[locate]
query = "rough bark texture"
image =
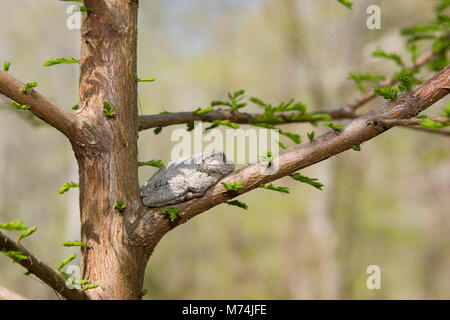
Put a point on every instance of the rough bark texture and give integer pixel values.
(107, 154)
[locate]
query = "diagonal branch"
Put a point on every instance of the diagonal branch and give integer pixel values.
(301, 156)
(43, 108)
(47, 274)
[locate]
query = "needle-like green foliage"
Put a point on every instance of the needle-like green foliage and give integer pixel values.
(153, 163)
(232, 186)
(16, 256)
(66, 261)
(16, 225)
(6, 66)
(311, 136)
(67, 186)
(388, 93)
(311, 181)
(26, 233)
(237, 203)
(172, 213)
(201, 111)
(55, 61)
(360, 78)
(431, 124)
(82, 9)
(120, 205)
(109, 111)
(217, 123)
(158, 130)
(74, 244)
(143, 293)
(346, 3)
(234, 101)
(29, 86)
(336, 128)
(282, 145)
(390, 56)
(275, 188)
(146, 79)
(92, 286)
(19, 106)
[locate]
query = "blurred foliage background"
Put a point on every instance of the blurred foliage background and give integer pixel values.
(386, 205)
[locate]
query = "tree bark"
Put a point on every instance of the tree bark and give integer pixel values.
(107, 150)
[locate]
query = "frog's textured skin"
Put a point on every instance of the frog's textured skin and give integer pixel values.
(185, 179)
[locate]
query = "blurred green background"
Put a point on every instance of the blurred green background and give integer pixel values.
(387, 205)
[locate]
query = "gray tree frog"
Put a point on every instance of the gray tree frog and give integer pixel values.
(185, 179)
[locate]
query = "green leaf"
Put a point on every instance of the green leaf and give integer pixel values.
(16, 225)
(217, 123)
(190, 126)
(120, 205)
(92, 286)
(74, 244)
(311, 136)
(237, 203)
(311, 181)
(390, 56)
(337, 128)
(108, 110)
(346, 3)
(16, 256)
(360, 78)
(66, 261)
(232, 186)
(172, 213)
(294, 137)
(258, 102)
(54, 61)
(446, 111)
(146, 80)
(82, 9)
(388, 93)
(235, 101)
(153, 163)
(29, 86)
(75, 107)
(282, 145)
(6, 66)
(67, 186)
(26, 233)
(19, 106)
(201, 111)
(356, 148)
(274, 188)
(143, 293)
(431, 124)
(157, 130)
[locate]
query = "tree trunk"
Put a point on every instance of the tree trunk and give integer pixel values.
(106, 151)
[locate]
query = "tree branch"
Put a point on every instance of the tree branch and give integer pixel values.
(6, 294)
(370, 94)
(408, 122)
(440, 132)
(47, 274)
(298, 157)
(55, 116)
(167, 119)
(345, 112)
